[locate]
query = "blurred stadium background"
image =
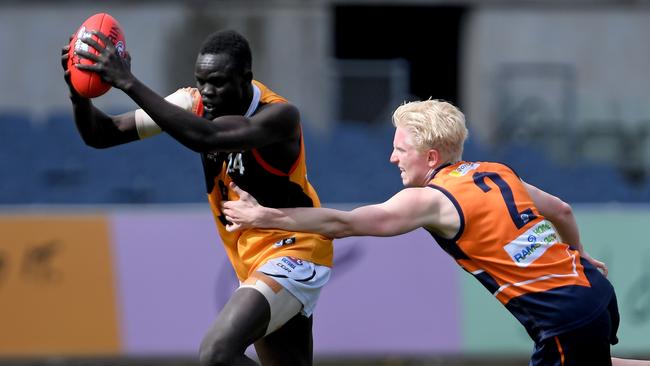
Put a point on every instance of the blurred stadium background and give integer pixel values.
(111, 258)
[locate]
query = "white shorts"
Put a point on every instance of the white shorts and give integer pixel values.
(290, 285)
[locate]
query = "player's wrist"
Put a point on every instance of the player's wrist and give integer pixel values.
(78, 99)
(126, 84)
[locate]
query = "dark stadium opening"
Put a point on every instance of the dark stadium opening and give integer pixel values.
(383, 52)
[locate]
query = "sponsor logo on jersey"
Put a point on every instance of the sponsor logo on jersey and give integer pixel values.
(285, 241)
(463, 169)
(542, 227)
(527, 251)
(532, 244)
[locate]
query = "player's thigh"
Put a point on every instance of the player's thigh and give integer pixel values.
(588, 345)
(243, 319)
(557, 352)
(591, 344)
(303, 279)
(291, 344)
(283, 304)
(292, 287)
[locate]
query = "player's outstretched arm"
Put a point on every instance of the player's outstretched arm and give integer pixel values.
(561, 215)
(96, 128)
(408, 210)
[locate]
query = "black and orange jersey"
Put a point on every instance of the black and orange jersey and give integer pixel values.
(516, 253)
(281, 185)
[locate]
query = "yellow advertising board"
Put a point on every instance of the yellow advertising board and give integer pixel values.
(57, 291)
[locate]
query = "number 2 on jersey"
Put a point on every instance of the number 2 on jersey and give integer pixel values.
(518, 218)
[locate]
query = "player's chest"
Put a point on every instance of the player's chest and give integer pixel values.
(237, 165)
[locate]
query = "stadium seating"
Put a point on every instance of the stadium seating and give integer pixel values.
(46, 162)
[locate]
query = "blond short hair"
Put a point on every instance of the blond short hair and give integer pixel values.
(434, 124)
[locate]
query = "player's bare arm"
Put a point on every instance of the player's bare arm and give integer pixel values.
(561, 215)
(273, 124)
(96, 128)
(407, 210)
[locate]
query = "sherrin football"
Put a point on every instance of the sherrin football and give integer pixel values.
(89, 84)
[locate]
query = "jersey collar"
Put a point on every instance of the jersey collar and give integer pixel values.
(433, 173)
(255, 102)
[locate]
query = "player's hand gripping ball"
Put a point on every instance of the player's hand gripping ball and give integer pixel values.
(86, 83)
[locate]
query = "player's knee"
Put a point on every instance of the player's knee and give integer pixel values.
(217, 354)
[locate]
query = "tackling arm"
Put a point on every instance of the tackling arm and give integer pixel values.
(408, 210)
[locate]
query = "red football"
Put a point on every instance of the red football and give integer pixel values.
(89, 84)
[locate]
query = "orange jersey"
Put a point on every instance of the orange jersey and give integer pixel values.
(515, 252)
(272, 187)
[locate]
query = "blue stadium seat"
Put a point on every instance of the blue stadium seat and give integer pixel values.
(47, 162)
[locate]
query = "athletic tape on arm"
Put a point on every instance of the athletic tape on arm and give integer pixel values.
(184, 98)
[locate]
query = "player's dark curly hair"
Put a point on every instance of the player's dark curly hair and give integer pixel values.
(231, 43)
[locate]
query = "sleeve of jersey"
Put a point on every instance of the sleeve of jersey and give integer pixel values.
(187, 98)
